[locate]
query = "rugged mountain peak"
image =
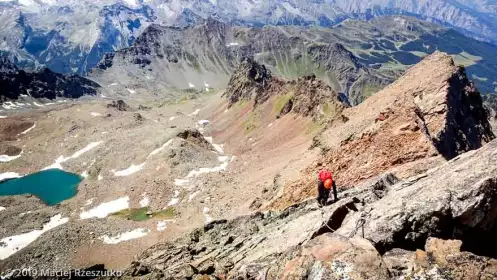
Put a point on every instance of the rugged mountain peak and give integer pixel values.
(307, 96)
(447, 103)
(433, 111)
(249, 80)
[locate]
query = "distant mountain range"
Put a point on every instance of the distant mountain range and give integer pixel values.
(355, 58)
(45, 83)
(71, 36)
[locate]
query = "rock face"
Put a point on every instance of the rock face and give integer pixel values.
(43, 84)
(433, 110)
(119, 105)
(306, 96)
(249, 80)
(372, 232)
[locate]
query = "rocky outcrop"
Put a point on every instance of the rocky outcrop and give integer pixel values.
(372, 232)
(249, 80)
(306, 96)
(431, 111)
(43, 84)
(195, 137)
(119, 105)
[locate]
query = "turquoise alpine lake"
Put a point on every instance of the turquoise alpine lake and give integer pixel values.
(52, 186)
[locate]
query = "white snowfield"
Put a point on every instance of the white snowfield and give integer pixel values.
(125, 236)
(135, 168)
(3, 117)
(162, 225)
(145, 201)
(17, 242)
(225, 160)
(158, 150)
(28, 130)
(130, 170)
(2, 208)
(131, 91)
(9, 175)
(194, 113)
(175, 199)
(62, 159)
(106, 208)
(6, 158)
(95, 114)
(207, 217)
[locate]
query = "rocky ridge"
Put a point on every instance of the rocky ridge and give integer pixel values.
(42, 84)
(358, 237)
(433, 110)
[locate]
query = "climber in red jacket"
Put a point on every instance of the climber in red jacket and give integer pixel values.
(325, 183)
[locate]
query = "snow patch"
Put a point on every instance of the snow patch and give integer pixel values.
(232, 44)
(2, 208)
(9, 175)
(130, 170)
(193, 195)
(28, 130)
(84, 174)
(89, 202)
(158, 150)
(175, 199)
(17, 242)
(191, 85)
(38, 105)
(125, 236)
(95, 114)
(3, 117)
(62, 159)
(172, 118)
(106, 208)
(100, 177)
(6, 158)
(194, 113)
(161, 226)
(145, 201)
(181, 182)
(208, 217)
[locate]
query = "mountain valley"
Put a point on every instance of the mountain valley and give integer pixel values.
(204, 167)
(186, 139)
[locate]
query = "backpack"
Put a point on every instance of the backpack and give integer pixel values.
(325, 175)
